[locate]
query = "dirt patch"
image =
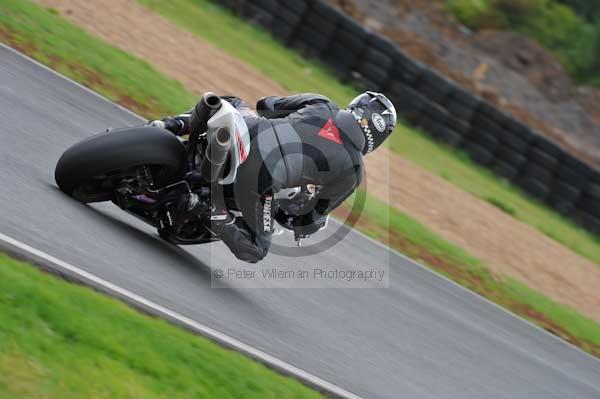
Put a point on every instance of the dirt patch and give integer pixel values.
(506, 245)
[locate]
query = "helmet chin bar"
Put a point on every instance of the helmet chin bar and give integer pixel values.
(364, 125)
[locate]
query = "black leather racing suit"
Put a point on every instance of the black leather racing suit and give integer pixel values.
(295, 141)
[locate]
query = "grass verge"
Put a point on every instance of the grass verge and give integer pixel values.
(60, 340)
(45, 36)
(256, 47)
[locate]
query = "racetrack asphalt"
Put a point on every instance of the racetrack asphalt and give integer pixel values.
(423, 337)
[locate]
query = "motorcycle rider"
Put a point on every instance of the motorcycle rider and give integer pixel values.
(306, 141)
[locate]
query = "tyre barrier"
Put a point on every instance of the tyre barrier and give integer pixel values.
(430, 101)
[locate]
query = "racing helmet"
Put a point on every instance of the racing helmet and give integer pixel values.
(376, 116)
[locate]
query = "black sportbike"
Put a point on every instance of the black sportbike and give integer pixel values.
(159, 177)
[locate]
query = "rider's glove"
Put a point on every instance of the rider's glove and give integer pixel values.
(171, 124)
(157, 123)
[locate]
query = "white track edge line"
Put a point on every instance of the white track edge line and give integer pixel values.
(372, 240)
(58, 265)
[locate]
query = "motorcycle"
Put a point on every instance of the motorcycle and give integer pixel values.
(176, 184)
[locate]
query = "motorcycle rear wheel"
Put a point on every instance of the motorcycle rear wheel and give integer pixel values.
(90, 170)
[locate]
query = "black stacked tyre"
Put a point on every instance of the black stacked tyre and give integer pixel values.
(346, 47)
(315, 33)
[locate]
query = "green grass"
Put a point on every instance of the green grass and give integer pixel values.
(502, 206)
(59, 340)
(70, 50)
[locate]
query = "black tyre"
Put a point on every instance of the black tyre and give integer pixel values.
(577, 166)
(432, 93)
(511, 157)
(340, 58)
(406, 69)
(447, 135)
(514, 141)
(376, 57)
(374, 73)
(543, 159)
(459, 110)
(268, 5)
(561, 206)
(488, 141)
(84, 170)
(492, 113)
(443, 84)
(590, 205)
(408, 104)
(506, 170)
(310, 42)
(570, 176)
(593, 190)
(293, 5)
(351, 26)
(435, 112)
(458, 125)
(382, 44)
(590, 222)
(548, 147)
(479, 154)
(258, 16)
(566, 192)
(482, 122)
(231, 4)
(464, 97)
(320, 25)
(288, 17)
(282, 31)
(325, 10)
(348, 40)
(537, 172)
(537, 189)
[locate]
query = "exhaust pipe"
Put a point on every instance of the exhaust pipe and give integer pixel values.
(200, 114)
(219, 144)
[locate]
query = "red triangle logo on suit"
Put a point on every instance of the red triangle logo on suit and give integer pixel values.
(331, 132)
